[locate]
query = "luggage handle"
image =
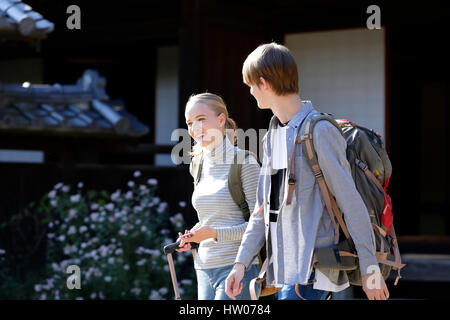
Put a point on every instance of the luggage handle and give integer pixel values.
(170, 248)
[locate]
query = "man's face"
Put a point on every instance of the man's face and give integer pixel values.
(258, 93)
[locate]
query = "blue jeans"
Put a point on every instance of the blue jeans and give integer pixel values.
(307, 292)
(211, 283)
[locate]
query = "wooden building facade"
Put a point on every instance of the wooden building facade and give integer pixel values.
(155, 54)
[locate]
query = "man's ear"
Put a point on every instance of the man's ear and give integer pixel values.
(264, 84)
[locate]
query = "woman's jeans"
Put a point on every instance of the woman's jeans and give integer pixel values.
(307, 292)
(211, 283)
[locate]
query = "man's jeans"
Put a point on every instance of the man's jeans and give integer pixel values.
(211, 283)
(307, 292)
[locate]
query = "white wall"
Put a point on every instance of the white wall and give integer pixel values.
(343, 73)
(166, 99)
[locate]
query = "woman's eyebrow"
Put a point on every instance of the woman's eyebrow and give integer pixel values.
(197, 116)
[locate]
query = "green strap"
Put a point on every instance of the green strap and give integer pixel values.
(197, 163)
(235, 183)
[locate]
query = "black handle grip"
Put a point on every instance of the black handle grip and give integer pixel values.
(170, 248)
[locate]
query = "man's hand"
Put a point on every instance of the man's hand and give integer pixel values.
(374, 286)
(233, 285)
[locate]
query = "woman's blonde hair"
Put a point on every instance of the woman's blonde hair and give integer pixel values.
(218, 105)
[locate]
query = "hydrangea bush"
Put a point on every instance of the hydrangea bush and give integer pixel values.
(116, 241)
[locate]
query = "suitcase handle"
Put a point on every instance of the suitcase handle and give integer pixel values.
(170, 248)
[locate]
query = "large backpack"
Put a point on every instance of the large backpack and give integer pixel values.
(371, 170)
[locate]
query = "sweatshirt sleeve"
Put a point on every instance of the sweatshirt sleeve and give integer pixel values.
(254, 236)
(330, 147)
(249, 178)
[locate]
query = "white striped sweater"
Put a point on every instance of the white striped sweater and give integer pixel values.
(216, 208)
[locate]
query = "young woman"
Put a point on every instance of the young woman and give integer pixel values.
(221, 222)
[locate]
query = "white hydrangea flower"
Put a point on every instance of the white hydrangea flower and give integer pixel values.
(154, 295)
(58, 186)
(109, 206)
(83, 229)
(67, 249)
(136, 291)
(66, 189)
(182, 204)
(129, 195)
(115, 195)
(137, 174)
(72, 230)
(72, 213)
(75, 198)
(80, 185)
(186, 282)
(131, 184)
(94, 216)
(108, 279)
(141, 262)
(52, 194)
(152, 182)
(163, 291)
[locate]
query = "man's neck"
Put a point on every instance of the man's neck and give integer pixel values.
(286, 107)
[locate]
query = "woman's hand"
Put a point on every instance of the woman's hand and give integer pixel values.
(183, 246)
(200, 234)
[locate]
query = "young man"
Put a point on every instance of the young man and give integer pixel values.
(293, 229)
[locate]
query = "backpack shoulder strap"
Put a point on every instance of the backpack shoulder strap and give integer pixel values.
(196, 169)
(235, 182)
(311, 157)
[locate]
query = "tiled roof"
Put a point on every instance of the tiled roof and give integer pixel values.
(66, 109)
(18, 18)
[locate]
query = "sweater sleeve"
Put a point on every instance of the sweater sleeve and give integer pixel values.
(254, 236)
(330, 148)
(249, 178)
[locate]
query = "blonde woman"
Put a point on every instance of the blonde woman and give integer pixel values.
(221, 223)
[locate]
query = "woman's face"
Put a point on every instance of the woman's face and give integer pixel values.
(205, 125)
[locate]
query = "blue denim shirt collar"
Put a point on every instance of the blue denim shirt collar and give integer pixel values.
(300, 115)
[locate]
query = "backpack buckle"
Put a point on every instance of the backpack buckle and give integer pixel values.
(361, 165)
(291, 180)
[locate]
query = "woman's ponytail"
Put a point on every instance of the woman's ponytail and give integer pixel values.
(230, 130)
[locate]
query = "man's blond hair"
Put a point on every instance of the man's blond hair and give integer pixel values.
(275, 63)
